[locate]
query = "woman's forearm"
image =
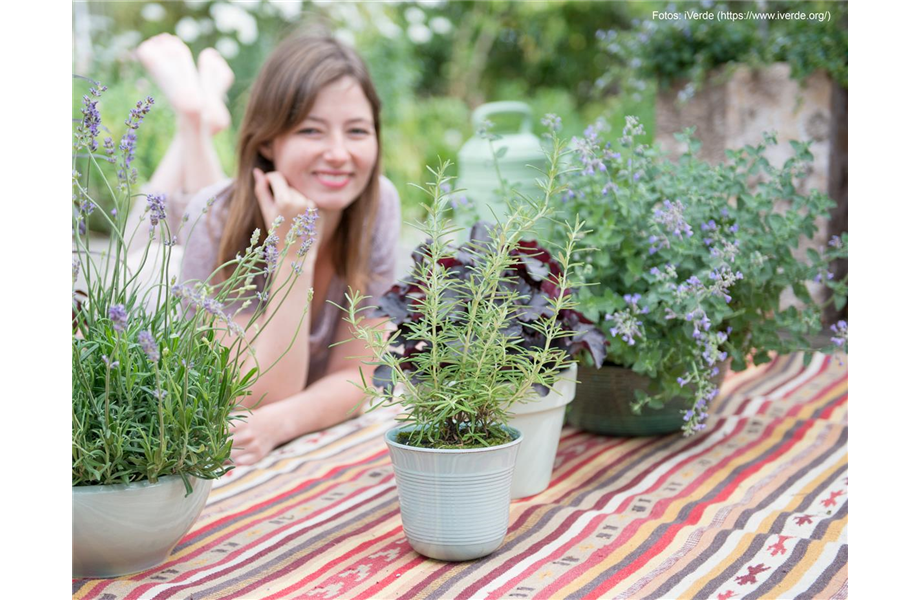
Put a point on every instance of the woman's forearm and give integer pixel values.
(327, 402)
(277, 335)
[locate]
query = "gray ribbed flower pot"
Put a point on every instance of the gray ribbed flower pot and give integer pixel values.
(540, 421)
(454, 504)
(123, 529)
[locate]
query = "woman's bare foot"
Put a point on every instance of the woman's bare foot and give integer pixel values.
(170, 64)
(215, 77)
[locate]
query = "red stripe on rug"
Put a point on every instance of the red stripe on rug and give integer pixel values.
(782, 381)
(827, 412)
(371, 594)
(794, 411)
(525, 515)
(177, 588)
(316, 574)
(268, 517)
(292, 492)
(657, 510)
(299, 562)
(786, 378)
(601, 446)
(102, 584)
(821, 370)
(732, 387)
(570, 521)
(597, 520)
(237, 551)
(696, 513)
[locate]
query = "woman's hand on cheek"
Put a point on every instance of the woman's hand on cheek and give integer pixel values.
(277, 198)
(253, 438)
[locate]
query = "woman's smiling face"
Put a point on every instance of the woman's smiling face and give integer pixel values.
(329, 157)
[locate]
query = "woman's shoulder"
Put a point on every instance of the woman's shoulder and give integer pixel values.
(389, 197)
(206, 210)
(389, 212)
(206, 213)
(214, 194)
(387, 223)
(388, 209)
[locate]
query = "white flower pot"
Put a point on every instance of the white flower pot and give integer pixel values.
(122, 529)
(540, 422)
(454, 504)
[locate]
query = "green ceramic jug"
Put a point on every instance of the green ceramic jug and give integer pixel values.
(515, 151)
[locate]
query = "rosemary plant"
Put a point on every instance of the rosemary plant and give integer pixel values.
(157, 364)
(468, 360)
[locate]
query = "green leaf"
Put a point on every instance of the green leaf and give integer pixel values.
(761, 357)
(801, 292)
(615, 239)
(776, 222)
(634, 266)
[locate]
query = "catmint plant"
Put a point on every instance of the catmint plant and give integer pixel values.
(158, 364)
(471, 337)
(692, 259)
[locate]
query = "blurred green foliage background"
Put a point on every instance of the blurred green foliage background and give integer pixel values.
(432, 63)
(435, 61)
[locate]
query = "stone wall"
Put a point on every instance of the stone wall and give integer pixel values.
(734, 109)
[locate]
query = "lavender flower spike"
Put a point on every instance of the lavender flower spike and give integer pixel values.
(148, 345)
(552, 122)
(91, 123)
(119, 317)
(156, 204)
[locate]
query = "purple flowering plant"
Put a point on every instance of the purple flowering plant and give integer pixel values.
(693, 258)
(475, 327)
(157, 362)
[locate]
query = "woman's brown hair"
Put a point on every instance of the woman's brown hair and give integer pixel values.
(280, 99)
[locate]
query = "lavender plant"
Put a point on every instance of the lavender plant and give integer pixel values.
(693, 259)
(158, 365)
(460, 357)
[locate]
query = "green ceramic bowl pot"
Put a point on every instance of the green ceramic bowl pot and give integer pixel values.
(123, 529)
(603, 398)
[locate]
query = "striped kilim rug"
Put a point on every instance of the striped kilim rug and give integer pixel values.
(756, 507)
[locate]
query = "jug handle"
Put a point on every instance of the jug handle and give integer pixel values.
(508, 106)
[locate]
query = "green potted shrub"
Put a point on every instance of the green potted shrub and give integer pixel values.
(157, 365)
(540, 414)
(692, 260)
(457, 361)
